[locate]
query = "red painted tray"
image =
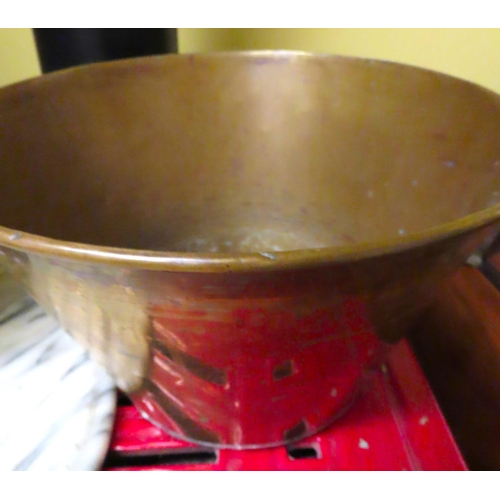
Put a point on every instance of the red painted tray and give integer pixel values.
(395, 425)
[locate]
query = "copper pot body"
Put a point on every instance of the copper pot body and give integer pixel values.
(237, 236)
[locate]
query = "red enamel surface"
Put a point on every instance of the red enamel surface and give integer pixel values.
(220, 385)
(395, 425)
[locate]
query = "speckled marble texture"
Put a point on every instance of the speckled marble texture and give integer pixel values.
(57, 407)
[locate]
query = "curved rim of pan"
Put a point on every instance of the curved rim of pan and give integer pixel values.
(205, 262)
(239, 262)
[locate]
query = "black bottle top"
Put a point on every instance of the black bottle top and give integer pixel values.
(60, 48)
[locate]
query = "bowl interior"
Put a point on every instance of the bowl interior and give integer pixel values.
(244, 152)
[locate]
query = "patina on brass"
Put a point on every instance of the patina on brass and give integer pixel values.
(179, 185)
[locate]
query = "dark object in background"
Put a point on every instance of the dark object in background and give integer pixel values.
(60, 48)
(457, 342)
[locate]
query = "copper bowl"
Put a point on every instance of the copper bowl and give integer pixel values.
(237, 236)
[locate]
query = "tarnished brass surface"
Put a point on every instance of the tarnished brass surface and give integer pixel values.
(190, 185)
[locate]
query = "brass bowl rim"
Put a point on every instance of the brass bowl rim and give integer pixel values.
(241, 262)
(238, 262)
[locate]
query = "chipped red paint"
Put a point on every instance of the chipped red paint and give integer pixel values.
(213, 370)
(395, 425)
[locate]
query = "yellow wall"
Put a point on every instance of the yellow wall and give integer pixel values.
(18, 56)
(468, 53)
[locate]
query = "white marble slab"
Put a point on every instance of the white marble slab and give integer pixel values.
(57, 407)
